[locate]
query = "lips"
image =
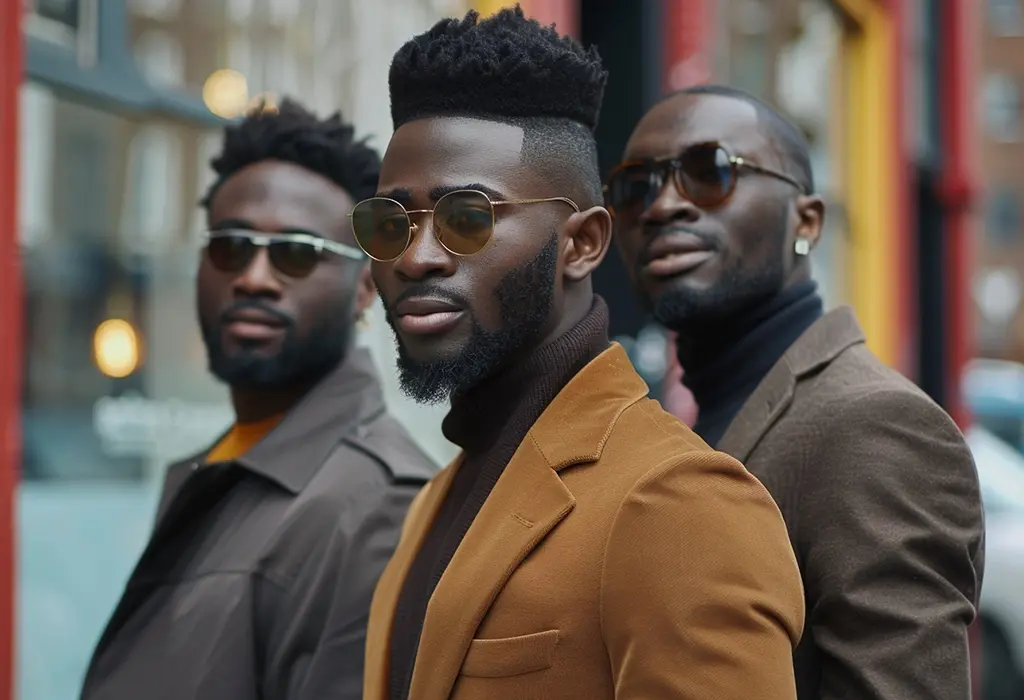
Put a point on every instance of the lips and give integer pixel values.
(252, 324)
(427, 315)
(675, 253)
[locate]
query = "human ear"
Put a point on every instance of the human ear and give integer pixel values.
(588, 235)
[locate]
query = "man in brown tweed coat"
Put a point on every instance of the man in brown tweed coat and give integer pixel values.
(715, 215)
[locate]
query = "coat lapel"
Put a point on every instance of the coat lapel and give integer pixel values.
(820, 344)
(527, 502)
(385, 597)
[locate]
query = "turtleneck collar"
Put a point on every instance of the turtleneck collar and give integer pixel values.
(724, 361)
(504, 406)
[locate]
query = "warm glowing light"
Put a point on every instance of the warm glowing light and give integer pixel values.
(226, 93)
(264, 103)
(115, 348)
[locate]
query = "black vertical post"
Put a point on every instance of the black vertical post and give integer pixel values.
(628, 35)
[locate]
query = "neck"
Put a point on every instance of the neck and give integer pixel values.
(724, 357)
(255, 405)
(505, 405)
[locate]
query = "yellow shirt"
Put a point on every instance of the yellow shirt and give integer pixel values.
(241, 438)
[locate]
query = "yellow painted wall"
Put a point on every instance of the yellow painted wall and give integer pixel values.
(489, 7)
(870, 55)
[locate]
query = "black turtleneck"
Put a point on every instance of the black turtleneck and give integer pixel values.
(488, 423)
(724, 361)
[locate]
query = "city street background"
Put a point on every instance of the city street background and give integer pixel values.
(913, 110)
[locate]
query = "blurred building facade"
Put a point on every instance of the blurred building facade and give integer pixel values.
(120, 105)
(997, 291)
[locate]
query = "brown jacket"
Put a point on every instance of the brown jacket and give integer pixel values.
(617, 557)
(229, 599)
(881, 498)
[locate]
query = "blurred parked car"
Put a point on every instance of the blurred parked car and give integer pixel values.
(994, 391)
(1001, 472)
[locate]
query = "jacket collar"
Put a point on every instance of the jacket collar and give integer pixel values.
(295, 449)
(825, 340)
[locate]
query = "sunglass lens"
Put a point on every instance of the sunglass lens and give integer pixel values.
(706, 174)
(293, 258)
(464, 222)
(633, 188)
(230, 253)
(381, 228)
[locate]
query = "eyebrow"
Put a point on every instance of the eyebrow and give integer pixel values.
(403, 196)
(244, 225)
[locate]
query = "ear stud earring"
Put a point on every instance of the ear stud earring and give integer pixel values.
(802, 246)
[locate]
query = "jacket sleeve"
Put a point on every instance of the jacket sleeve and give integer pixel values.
(701, 596)
(891, 546)
(315, 623)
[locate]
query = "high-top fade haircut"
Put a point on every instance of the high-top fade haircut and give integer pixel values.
(508, 68)
(293, 134)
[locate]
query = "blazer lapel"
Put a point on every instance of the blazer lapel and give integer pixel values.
(769, 400)
(527, 502)
(819, 345)
(389, 586)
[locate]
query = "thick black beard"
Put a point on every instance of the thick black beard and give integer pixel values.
(526, 296)
(306, 359)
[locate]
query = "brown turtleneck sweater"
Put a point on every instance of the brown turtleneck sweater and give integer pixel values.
(488, 423)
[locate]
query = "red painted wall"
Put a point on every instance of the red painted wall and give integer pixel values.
(10, 327)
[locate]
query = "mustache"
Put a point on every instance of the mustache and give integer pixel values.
(430, 290)
(243, 304)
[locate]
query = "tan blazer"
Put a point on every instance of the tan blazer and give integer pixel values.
(617, 557)
(882, 501)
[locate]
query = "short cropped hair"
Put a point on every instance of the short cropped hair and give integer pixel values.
(784, 132)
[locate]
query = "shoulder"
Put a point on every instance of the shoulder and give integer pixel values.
(687, 503)
(861, 402)
(658, 451)
(380, 449)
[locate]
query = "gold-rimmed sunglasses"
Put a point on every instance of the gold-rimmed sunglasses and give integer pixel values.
(705, 173)
(462, 222)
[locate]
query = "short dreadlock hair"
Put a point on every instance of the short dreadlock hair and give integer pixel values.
(510, 69)
(293, 134)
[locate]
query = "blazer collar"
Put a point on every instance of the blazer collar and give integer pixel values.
(527, 502)
(829, 336)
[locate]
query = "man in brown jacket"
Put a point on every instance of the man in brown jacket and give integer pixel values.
(715, 216)
(585, 544)
(296, 509)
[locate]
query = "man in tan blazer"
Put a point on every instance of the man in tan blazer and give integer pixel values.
(715, 214)
(585, 543)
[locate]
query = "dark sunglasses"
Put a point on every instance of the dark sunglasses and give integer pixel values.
(462, 221)
(292, 254)
(704, 173)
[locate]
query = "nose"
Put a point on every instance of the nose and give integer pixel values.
(425, 257)
(670, 205)
(258, 279)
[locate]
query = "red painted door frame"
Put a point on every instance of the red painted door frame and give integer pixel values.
(10, 328)
(958, 189)
(959, 184)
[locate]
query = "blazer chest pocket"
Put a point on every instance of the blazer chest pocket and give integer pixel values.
(510, 656)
